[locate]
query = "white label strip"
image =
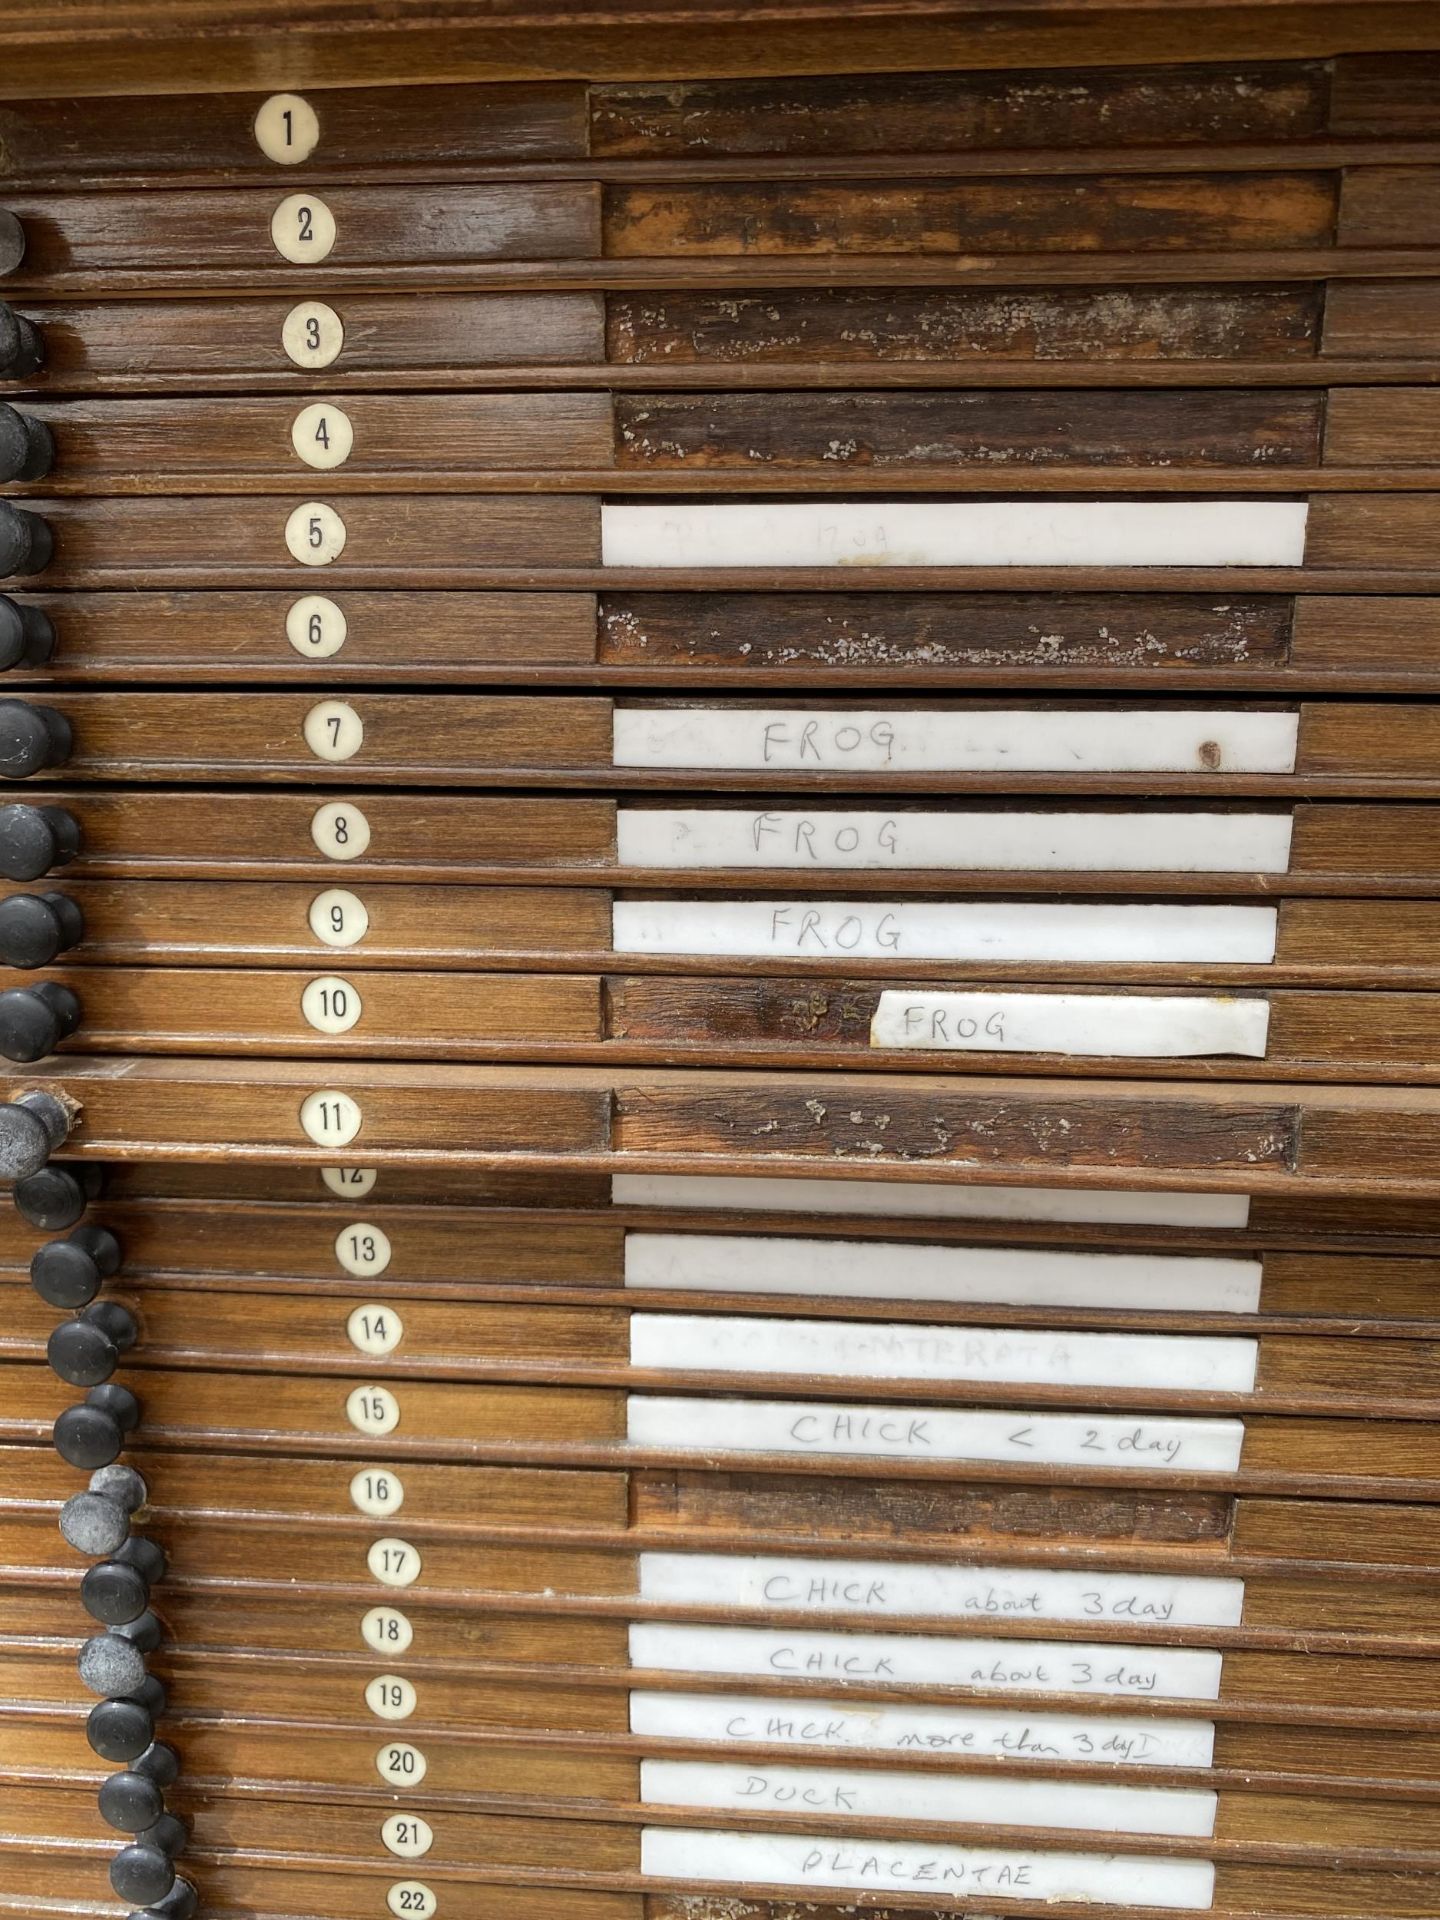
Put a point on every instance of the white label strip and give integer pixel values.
(918, 1660)
(986, 1732)
(955, 533)
(819, 841)
(840, 1349)
(923, 1796)
(977, 740)
(910, 1270)
(919, 1199)
(694, 1425)
(987, 931)
(907, 1866)
(905, 1587)
(1088, 1025)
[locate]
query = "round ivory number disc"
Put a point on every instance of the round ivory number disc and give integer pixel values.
(375, 1329)
(363, 1249)
(407, 1836)
(331, 1005)
(351, 1183)
(303, 228)
(334, 730)
(373, 1410)
(390, 1697)
(286, 129)
(322, 435)
(340, 830)
(412, 1900)
(377, 1491)
(394, 1563)
(401, 1764)
(340, 919)
(330, 1119)
(387, 1630)
(313, 334)
(315, 627)
(315, 534)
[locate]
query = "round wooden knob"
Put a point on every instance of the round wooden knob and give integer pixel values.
(27, 446)
(31, 1128)
(142, 1873)
(130, 1802)
(56, 1197)
(120, 1729)
(27, 634)
(94, 1525)
(35, 927)
(92, 1434)
(33, 840)
(22, 345)
(69, 1272)
(109, 1665)
(32, 737)
(87, 1350)
(26, 543)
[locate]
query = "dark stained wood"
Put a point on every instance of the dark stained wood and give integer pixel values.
(1160, 214)
(59, 143)
(872, 430)
(120, 344)
(1375, 93)
(1389, 206)
(945, 112)
(199, 233)
(860, 326)
(842, 630)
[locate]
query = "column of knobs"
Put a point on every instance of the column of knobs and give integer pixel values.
(84, 1350)
(34, 927)
(69, 1272)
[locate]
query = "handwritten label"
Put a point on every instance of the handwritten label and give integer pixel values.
(920, 1199)
(920, 1660)
(1091, 1025)
(925, 1796)
(907, 1866)
(982, 930)
(819, 840)
(910, 1270)
(984, 1732)
(835, 1349)
(957, 740)
(692, 1425)
(950, 1592)
(955, 533)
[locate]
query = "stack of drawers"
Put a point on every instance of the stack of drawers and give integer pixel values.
(724, 898)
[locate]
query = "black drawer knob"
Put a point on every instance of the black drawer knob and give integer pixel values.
(93, 1434)
(32, 737)
(139, 1551)
(123, 1485)
(27, 635)
(35, 927)
(26, 543)
(120, 1730)
(167, 1833)
(114, 1594)
(69, 1272)
(87, 1350)
(151, 1696)
(130, 1802)
(56, 1197)
(27, 446)
(142, 1873)
(94, 1526)
(34, 1020)
(181, 1903)
(110, 1665)
(144, 1632)
(159, 1763)
(12, 241)
(31, 1128)
(22, 345)
(34, 840)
